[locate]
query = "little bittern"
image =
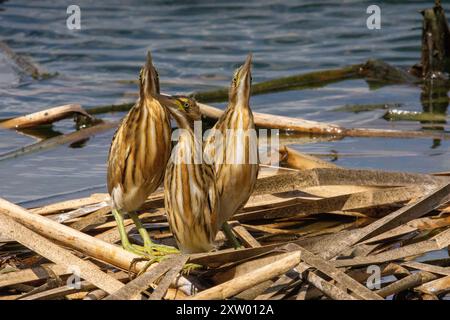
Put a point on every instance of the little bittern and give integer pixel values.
(232, 144)
(189, 187)
(138, 156)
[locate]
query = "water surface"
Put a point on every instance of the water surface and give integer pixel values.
(196, 45)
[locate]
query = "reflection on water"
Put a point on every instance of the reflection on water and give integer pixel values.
(196, 45)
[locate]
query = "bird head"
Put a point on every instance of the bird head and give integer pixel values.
(241, 83)
(189, 106)
(184, 109)
(148, 79)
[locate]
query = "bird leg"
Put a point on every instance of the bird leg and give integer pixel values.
(150, 247)
(123, 234)
(230, 235)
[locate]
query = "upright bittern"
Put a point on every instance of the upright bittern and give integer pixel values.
(233, 146)
(138, 157)
(189, 187)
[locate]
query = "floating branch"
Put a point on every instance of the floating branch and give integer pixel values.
(44, 117)
(264, 120)
(301, 81)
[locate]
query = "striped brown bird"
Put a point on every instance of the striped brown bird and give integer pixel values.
(189, 187)
(138, 156)
(233, 146)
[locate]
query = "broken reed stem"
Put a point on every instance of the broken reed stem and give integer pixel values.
(53, 252)
(43, 117)
(407, 282)
(327, 288)
(69, 237)
(246, 281)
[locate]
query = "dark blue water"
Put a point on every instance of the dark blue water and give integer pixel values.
(196, 45)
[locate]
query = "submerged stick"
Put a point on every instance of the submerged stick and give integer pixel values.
(404, 115)
(59, 140)
(25, 64)
(301, 81)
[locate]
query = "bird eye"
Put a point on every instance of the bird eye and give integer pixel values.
(186, 105)
(234, 81)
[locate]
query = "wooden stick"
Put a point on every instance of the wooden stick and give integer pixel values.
(66, 290)
(330, 176)
(69, 237)
(427, 267)
(177, 265)
(327, 288)
(244, 235)
(259, 275)
(331, 271)
(408, 282)
(72, 204)
(436, 287)
(391, 221)
(278, 122)
(438, 242)
(353, 201)
(32, 274)
(133, 289)
(43, 117)
(294, 159)
(53, 252)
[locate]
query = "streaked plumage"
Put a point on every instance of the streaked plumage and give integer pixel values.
(235, 160)
(189, 188)
(138, 156)
(140, 148)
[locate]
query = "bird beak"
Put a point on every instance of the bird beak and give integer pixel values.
(246, 68)
(248, 62)
(149, 62)
(244, 85)
(149, 81)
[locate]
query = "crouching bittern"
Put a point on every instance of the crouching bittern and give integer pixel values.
(189, 187)
(137, 160)
(232, 145)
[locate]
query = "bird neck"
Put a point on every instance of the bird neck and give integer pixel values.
(238, 100)
(182, 120)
